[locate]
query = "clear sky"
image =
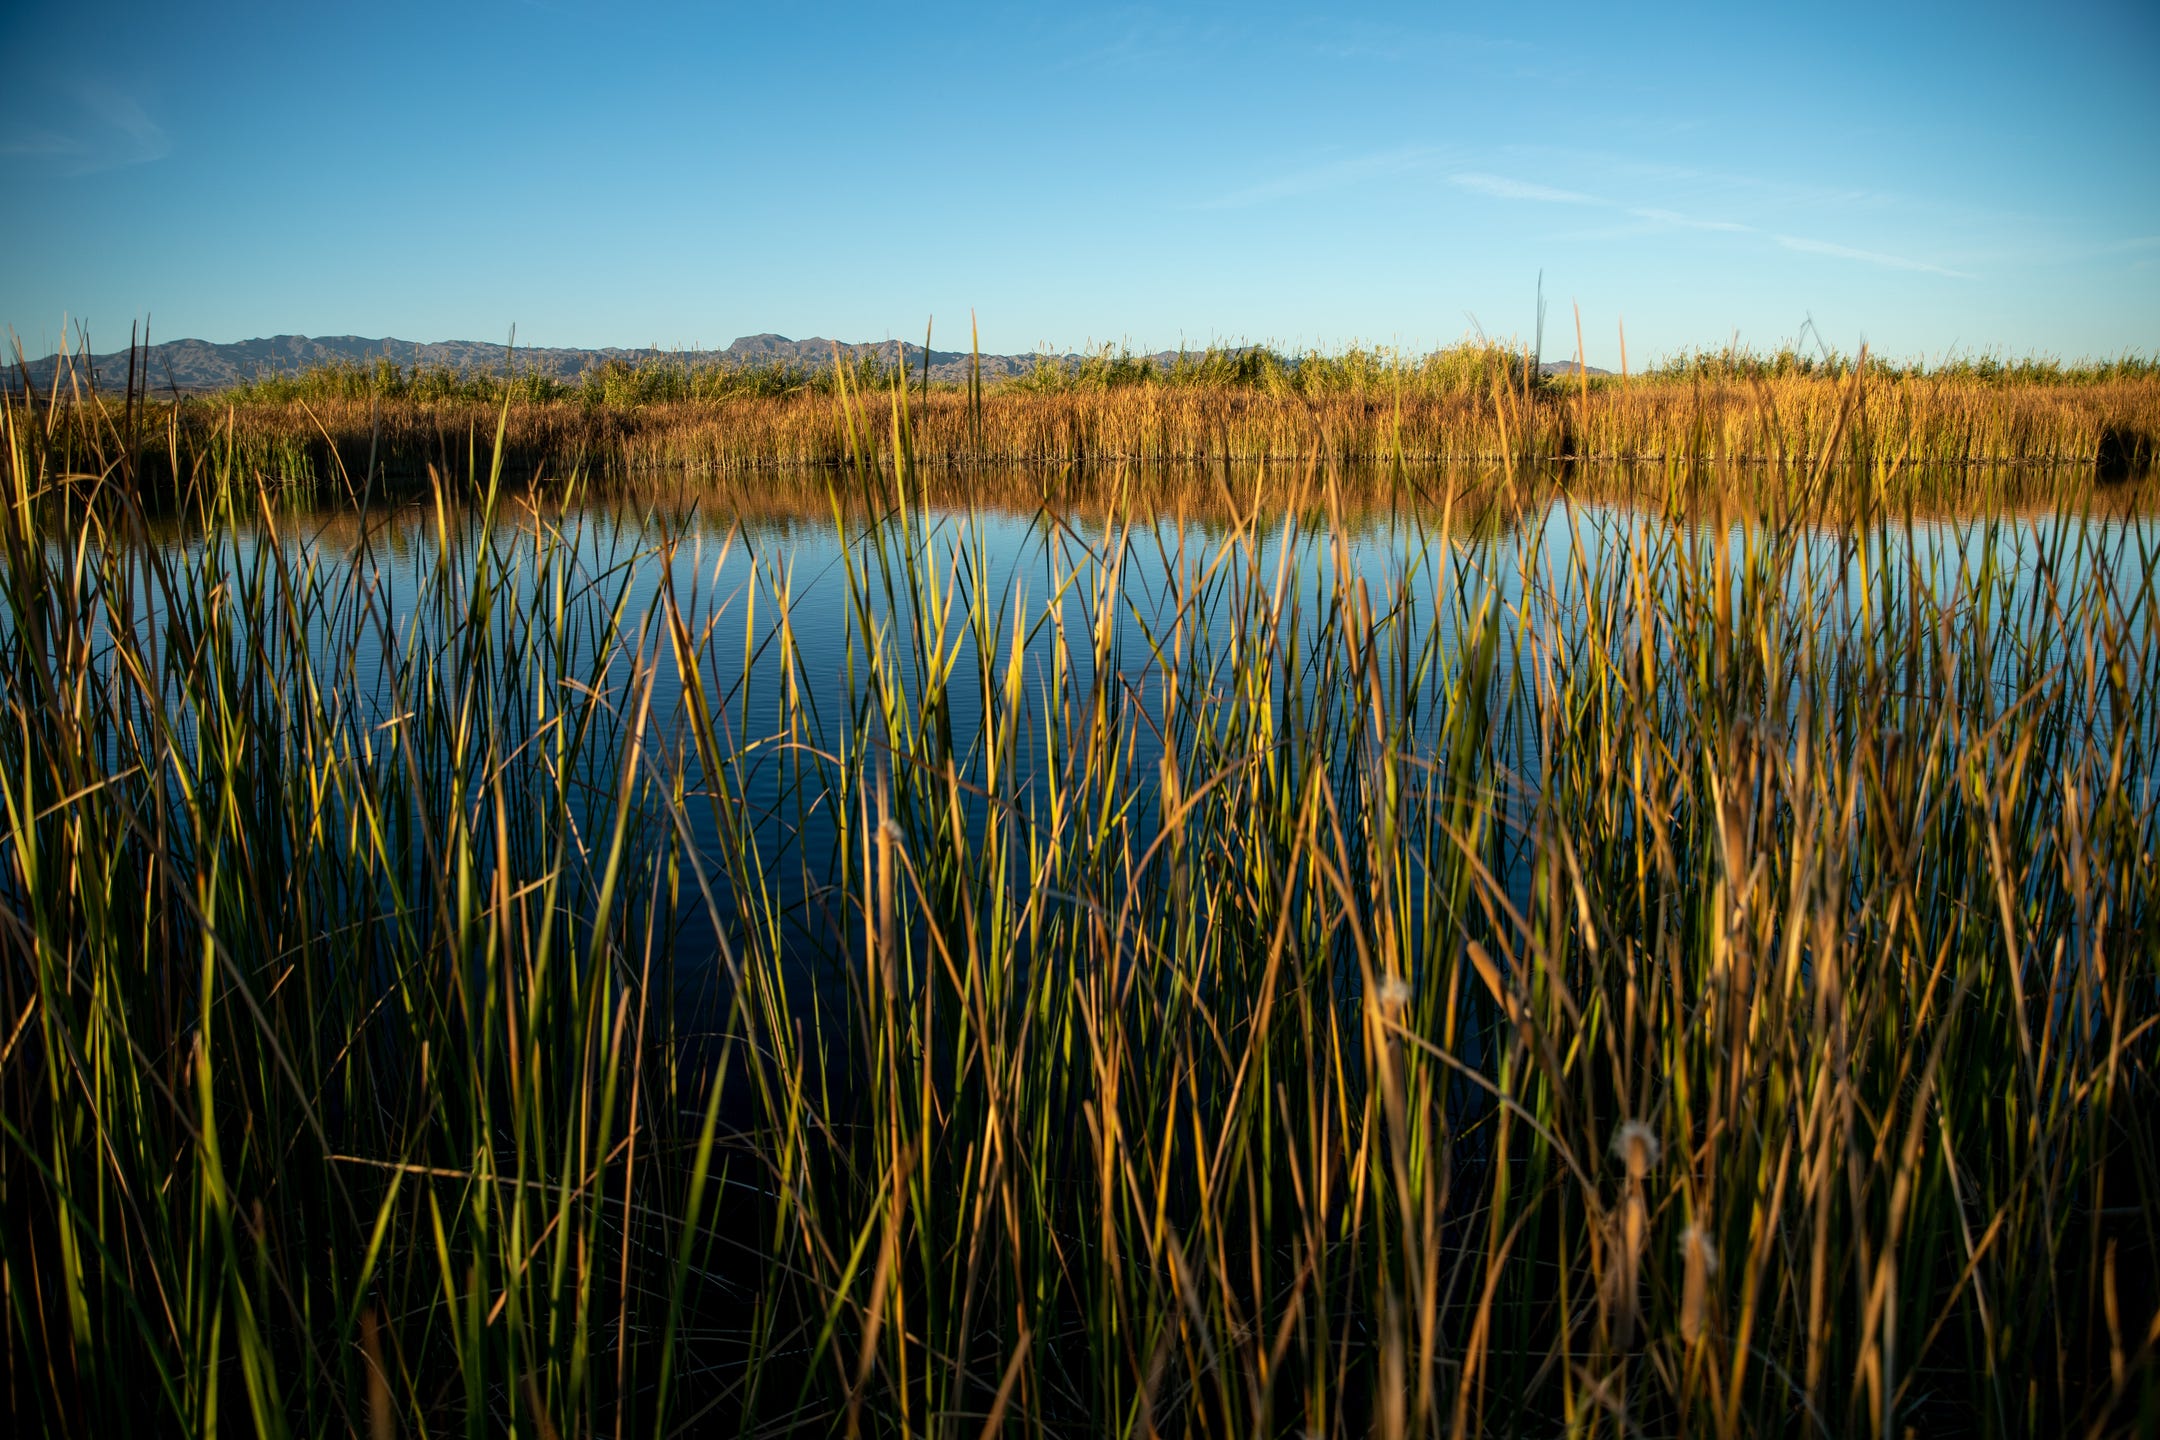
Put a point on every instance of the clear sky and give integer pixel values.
(1934, 179)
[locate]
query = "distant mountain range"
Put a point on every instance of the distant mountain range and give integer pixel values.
(198, 365)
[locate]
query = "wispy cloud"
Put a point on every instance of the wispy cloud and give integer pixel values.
(1866, 257)
(1140, 38)
(2130, 246)
(1674, 220)
(1333, 174)
(108, 129)
(1654, 218)
(1334, 37)
(1630, 173)
(1508, 189)
(1640, 219)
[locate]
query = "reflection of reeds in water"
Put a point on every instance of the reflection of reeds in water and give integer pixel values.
(1486, 496)
(1485, 500)
(1672, 1000)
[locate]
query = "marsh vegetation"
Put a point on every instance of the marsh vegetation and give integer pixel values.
(1953, 427)
(1418, 950)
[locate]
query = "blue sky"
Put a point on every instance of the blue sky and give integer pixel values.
(1934, 179)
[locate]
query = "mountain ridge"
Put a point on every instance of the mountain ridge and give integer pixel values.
(201, 365)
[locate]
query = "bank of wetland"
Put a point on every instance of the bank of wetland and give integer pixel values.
(1424, 936)
(1476, 402)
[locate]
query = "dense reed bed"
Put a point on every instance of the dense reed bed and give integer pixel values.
(1473, 403)
(1618, 976)
(1884, 423)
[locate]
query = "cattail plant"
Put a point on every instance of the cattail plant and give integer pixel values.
(1417, 952)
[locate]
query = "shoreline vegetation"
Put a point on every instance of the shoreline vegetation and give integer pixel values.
(1474, 403)
(1631, 988)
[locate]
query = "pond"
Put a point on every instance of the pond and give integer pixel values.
(776, 662)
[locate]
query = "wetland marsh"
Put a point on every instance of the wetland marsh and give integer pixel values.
(1365, 944)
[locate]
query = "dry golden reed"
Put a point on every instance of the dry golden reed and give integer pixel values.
(1882, 419)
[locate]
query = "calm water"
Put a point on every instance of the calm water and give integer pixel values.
(753, 590)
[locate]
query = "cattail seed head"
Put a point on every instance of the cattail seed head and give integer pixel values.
(1628, 1232)
(1699, 1262)
(1636, 1145)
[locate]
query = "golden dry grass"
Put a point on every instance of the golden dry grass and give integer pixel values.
(1886, 421)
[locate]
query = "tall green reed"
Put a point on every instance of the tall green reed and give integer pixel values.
(332, 920)
(1593, 977)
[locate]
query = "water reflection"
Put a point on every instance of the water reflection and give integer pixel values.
(836, 635)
